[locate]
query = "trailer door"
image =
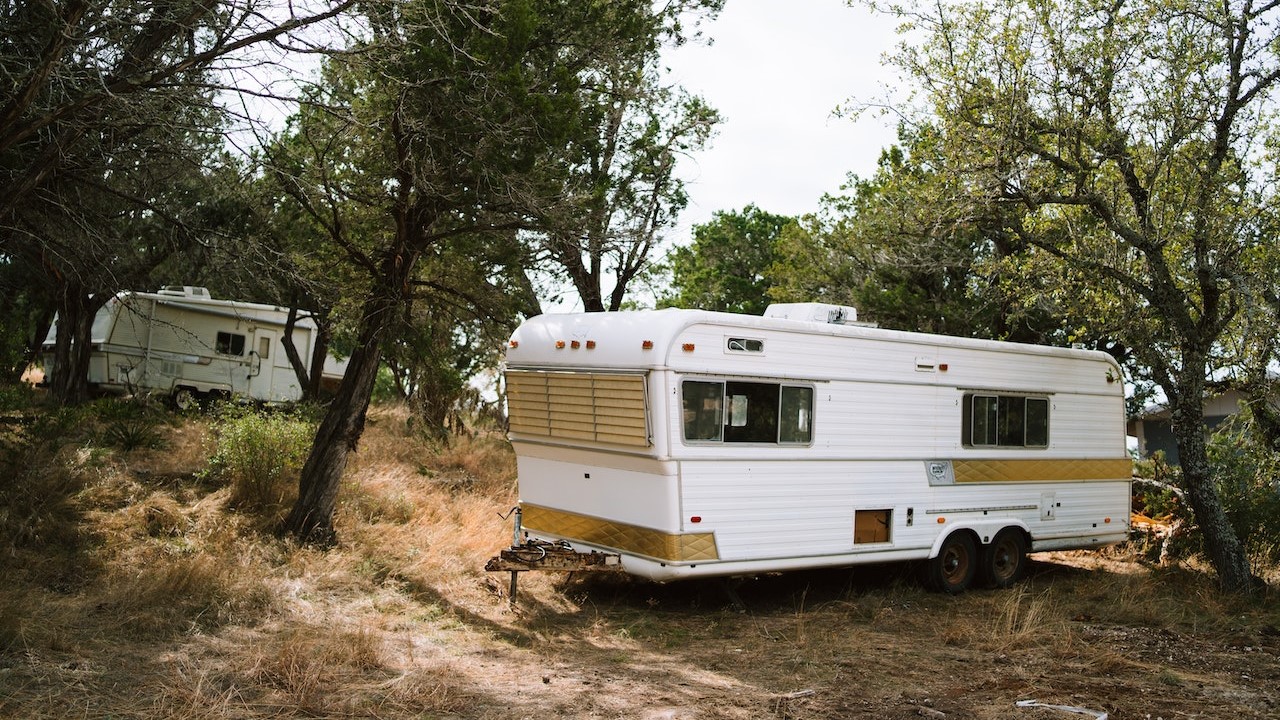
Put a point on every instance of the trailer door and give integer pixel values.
(262, 364)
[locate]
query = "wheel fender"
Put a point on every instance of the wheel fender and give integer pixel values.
(984, 531)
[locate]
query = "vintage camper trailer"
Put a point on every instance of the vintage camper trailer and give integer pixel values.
(690, 443)
(181, 342)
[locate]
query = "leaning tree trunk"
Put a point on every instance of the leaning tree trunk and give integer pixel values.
(311, 518)
(1225, 550)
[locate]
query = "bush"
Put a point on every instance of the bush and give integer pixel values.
(259, 454)
(129, 424)
(1248, 478)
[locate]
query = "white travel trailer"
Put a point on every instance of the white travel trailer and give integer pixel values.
(685, 443)
(181, 342)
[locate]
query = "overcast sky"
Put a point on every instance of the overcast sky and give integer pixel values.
(776, 71)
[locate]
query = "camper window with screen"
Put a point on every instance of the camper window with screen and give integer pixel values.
(230, 344)
(748, 412)
(1005, 421)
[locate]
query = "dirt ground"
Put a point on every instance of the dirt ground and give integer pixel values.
(157, 599)
(1079, 632)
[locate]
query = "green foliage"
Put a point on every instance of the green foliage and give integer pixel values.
(15, 396)
(130, 424)
(259, 454)
(1247, 474)
(726, 267)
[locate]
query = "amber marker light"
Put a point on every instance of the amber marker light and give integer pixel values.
(559, 344)
(1106, 521)
(591, 344)
(575, 344)
(941, 520)
(514, 344)
(687, 347)
(942, 367)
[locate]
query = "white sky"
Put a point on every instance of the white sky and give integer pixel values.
(776, 71)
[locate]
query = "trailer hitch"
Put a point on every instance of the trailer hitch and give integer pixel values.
(526, 555)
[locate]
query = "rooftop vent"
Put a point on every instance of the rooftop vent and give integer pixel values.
(187, 291)
(814, 312)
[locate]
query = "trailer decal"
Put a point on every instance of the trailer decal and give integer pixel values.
(671, 547)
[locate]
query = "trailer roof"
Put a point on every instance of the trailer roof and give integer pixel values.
(644, 339)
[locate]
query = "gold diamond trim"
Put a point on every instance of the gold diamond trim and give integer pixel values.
(993, 471)
(633, 539)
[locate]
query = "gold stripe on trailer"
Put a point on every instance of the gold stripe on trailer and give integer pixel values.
(1040, 470)
(633, 539)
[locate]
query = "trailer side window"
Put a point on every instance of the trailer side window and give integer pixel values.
(702, 410)
(753, 412)
(747, 412)
(797, 415)
(229, 344)
(1005, 421)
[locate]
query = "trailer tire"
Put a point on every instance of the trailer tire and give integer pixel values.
(955, 566)
(1004, 561)
(185, 399)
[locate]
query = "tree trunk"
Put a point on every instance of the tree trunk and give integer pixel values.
(319, 353)
(73, 344)
(311, 518)
(1225, 550)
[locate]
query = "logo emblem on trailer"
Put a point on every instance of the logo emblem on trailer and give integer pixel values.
(939, 472)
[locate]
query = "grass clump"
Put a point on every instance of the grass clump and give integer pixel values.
(259, 455)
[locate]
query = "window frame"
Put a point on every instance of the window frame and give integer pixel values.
(805, 390)
(992, 426)
(228, 346)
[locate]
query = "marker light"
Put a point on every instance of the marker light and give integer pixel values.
(687, 347)
(559, 344)
(1106, 521)
(575, 345)
(942, 367)
(646, 345)
(591, 344)
(514, 344)
(695, 519)
(941, 520)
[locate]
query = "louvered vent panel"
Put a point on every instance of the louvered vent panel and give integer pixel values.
(598, 407)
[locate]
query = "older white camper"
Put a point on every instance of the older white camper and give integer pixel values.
(690, 443)
(181, 342)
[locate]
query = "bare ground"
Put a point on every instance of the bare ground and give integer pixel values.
(169, 605)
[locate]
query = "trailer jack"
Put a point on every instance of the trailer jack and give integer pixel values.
(526, 555)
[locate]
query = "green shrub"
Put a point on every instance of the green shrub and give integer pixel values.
(129, 424)
(16, 396)
(1247, 474)
(259, 454)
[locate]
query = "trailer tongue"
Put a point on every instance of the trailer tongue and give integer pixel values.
(526, 555)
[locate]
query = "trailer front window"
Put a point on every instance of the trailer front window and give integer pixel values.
(747, 412)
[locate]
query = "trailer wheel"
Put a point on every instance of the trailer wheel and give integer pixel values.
(952, 571)
(1004, 561)
(185, 399)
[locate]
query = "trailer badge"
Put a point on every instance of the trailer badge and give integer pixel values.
(940, 472)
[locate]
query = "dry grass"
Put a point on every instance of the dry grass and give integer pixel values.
(138, 591)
